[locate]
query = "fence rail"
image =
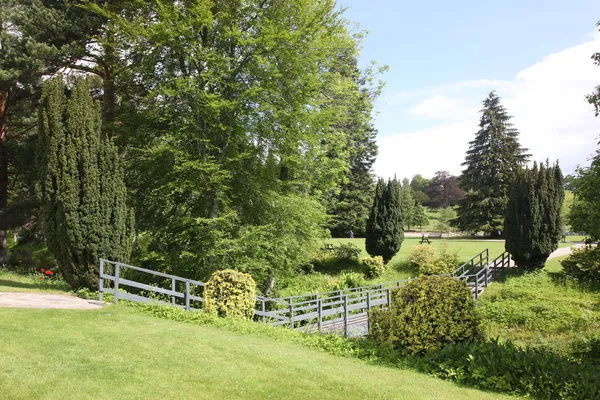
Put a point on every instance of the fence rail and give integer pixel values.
(315, 312)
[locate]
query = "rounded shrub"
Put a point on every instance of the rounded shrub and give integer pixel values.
(230, 293)
(373, 266)
(583, 265)
(426, 314)
(347, 251)
(429, 262)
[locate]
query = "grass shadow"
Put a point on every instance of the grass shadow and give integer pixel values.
(58, 286)
(405, 267)
(334, 266)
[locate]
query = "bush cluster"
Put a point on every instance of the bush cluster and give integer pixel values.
(426, 314)
(347, 251)
(373, 266)
(583, 265)
(230, 293)
(347, 280)
(503, 367)
(429, 262)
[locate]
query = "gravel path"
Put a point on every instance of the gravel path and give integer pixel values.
(564, 251)
(42, 300)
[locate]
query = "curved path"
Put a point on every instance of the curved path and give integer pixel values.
(43, 300)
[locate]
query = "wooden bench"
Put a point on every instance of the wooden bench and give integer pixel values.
(430, 236)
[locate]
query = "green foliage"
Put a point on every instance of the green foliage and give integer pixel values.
(503, 367)
(427, 314)
(229, 293)
(445, 216)
(348, 280)
(429, 262)
(29, 258)
(408, 204)
(594, 98)
(490, 162)
(84, 211)
(533, 225)
(347, 251)
(583, 265)
(420, 217)
(584, 215)
(373, 267)
(235, 148)
(385, 231)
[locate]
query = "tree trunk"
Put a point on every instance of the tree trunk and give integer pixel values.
(3, 171)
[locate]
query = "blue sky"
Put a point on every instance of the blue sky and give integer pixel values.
(444, 58)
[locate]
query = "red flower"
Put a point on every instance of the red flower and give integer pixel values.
(42, 270)
(41, 277)
(49, 273)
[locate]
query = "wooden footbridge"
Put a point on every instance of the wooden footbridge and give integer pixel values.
(341, 310)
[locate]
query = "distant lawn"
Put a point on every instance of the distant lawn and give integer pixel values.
(11, 282)
(119, 353)
(466, 248)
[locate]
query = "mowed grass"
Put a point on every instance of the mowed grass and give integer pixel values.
(466, 248)
(11, 282)
(541, 309)
(118, 352)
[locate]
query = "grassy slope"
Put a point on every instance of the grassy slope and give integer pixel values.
(540, 310)
(119, 353)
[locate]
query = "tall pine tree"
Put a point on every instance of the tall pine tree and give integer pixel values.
(533, 215)
(84, 211)
(491, 161)
(408, 204)
(385, 232)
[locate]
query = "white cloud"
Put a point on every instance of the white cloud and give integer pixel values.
(440, 107)
(547, 101)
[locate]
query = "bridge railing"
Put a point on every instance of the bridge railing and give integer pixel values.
(180, 292)
(323, 311)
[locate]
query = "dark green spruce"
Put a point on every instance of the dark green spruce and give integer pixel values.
(84, 212)
(385, 232)
(533, 224)
(491, 161)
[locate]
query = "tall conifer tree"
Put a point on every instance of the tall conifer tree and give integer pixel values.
(491, 161)
(385, 232)
(84, 211)
(408, 204)
(533, 215)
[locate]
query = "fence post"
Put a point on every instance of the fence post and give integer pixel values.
(187, 296)
(291, 302)
(320, 313)
(362, 292)
(368, 311)
(101, 281)
(389, 298)
(173, 288)
(263, 309)
(117, 270)
(487, 255)
(487, 269)
(476, 287)
(346, 315)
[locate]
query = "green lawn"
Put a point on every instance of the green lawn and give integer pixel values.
(118, 352)
(11, 282)
(541, 309)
